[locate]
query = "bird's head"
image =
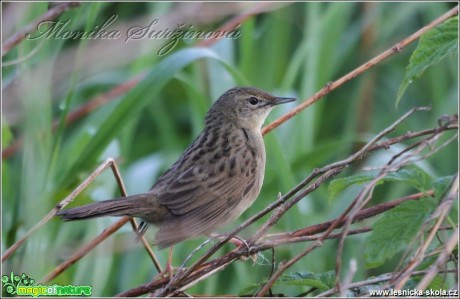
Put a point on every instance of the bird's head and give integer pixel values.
(245, 106)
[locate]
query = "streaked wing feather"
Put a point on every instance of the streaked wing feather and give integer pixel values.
(194, 223)
(205, 192)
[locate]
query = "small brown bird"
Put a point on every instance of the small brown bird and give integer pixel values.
(214, 181)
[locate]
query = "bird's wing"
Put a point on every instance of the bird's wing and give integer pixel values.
(205, 193)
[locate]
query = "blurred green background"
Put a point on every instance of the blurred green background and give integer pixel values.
(290, 49)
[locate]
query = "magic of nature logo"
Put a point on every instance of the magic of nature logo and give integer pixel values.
(23, 285)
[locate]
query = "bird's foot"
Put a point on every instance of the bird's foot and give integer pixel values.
(239, 243)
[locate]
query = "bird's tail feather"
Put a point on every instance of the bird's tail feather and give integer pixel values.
(133, 206)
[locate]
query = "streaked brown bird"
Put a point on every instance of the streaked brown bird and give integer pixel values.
(214, 181)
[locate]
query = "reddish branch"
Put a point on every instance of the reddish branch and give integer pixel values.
(361, 215)
(199, 269)
(359, 70)
(123, 88)
(301, 235)
(51, 14)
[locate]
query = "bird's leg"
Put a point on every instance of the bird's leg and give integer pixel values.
(169, 268)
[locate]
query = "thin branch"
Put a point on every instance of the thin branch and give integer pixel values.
(108, 163)
(440, 213)
(379, 279)
(275, 241)
(330, 172)
(359, 70)
(124, 87)
(363, 214)
(441, 261)
(338, 165)
(135, 227)
(51, 14)
(357, 204)
(57, 208)
(296, 258)
(82, 111)
(327, 172)
(85, 249)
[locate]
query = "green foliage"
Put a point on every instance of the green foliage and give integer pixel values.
(440, 185)
(7, 136)
(320, 281)
(395, 229)
(411, 175)
(291, 49)
(398, 226)
(338, 186)
(434, 46)
(135, 101)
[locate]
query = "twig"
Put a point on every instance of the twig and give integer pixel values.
(357, 204)
(108, 163)
(85, 249)
(51, 14)
(381, 278)
(443, 257)
(268, 244)
(441, 212)
(362, 199)
(272, 269)
(80, 112)
(359, 70)
(296, 258)
(339, 164)
(364, 214)
(365, 196)
(135, 227)
(124, 87)
(275, 240)
(56, 209)
(326, 172)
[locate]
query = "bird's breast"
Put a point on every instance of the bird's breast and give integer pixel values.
(252, 158)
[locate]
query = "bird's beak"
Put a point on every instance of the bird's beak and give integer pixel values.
(278, 101)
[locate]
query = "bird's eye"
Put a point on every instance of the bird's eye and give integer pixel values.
(253, 101)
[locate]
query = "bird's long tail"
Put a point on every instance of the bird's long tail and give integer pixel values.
(134, 206)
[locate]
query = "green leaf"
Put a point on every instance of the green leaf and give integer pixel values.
(440, 185)
(438, 283)
(339, 185)
(411, 175)
(433, 46)
(322, 281)
(395, 229)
